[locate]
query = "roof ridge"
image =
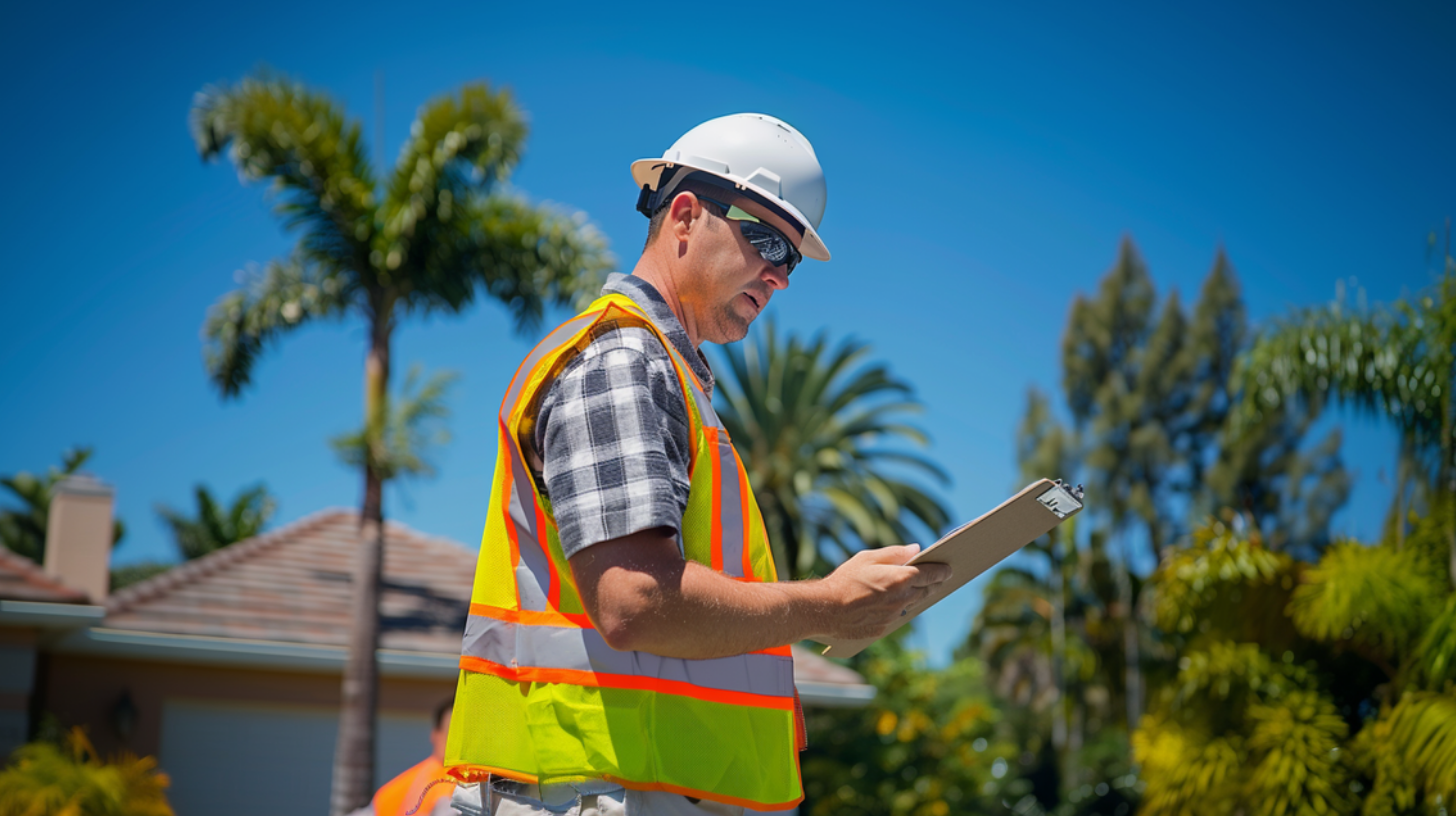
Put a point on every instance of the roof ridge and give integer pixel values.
(32, 571)
(199, 568)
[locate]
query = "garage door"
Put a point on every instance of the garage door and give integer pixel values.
(231, 759)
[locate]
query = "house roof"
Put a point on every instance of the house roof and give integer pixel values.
(292, 585)
(21, 579)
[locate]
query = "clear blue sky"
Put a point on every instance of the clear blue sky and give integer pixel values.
(983, 162)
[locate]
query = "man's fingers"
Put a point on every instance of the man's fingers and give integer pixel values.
(930, 574)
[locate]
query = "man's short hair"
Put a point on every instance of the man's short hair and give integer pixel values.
(688, 185)
(442, 708)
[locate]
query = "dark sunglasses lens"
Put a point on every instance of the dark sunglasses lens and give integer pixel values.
(773, 247)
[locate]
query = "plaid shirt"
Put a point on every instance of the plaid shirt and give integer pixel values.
(613, 428)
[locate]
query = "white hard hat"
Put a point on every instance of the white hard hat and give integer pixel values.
(755, 152)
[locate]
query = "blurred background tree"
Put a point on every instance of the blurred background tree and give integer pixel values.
(215, 526)
(437, 230)
(23, 528)
(823, 438)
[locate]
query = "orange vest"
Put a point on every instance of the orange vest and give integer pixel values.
(401, 796)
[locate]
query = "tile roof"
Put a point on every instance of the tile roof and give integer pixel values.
(292, 585)
(21, 579)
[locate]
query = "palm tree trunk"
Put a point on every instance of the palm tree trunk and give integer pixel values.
(353, 783)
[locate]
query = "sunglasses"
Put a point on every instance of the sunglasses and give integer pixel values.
(773, 246)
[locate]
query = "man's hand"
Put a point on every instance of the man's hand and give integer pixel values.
(873, 589)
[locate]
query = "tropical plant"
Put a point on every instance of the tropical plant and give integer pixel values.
(1397, 362)
(441, 228)
(414, 424)
(815, 428)
(23, 530)
(1320, 688)
(215, 526)
(46, 779)
(926, 746)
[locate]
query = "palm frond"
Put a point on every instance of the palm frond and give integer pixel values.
(241, 324)
(525, 256)
(1424, 723)
(413, 423)
(1376, 599)
(273, 128)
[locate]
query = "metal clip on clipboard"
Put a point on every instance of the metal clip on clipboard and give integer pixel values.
(977, 546)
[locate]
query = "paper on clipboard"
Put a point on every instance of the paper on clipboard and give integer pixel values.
(973, 548)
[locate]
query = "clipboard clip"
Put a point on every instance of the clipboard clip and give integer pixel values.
(1062, 499)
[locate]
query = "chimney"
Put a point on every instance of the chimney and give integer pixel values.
(79, 535)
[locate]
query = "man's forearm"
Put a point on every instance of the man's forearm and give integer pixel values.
(643, 596)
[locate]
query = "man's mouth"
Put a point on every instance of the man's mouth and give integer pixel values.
(757, 307)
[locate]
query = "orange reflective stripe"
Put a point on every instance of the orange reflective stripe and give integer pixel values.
(482, 773)
(531, 618)
(553, 591)
(574, 677)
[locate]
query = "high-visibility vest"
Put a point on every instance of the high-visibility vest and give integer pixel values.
(413, 792)
(543, 699)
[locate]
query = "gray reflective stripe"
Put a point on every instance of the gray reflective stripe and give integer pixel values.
(559, 647)
(545, 347)
(731, 508)
(533, 574)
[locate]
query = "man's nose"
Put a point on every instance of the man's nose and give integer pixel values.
(776, 276)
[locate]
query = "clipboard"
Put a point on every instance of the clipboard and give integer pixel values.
(977, 546)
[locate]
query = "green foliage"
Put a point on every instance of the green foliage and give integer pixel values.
(1223, 586)
(1434, 662)
(1238, 731)
(441, 231)
(925, 747)
(414, 423)
(214, 527)
(45, 779)
(1379, 600)
(23, 529)
(1424, 725)
(815, 428)
(128, 574)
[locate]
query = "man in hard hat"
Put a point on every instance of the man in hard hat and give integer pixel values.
(627, 649)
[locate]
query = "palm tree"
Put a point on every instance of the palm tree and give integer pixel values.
(214, 526)
(438, 230)
(23, 530)
(1396, 361)
(810, 424)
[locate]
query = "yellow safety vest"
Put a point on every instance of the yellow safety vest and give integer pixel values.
(543, 699)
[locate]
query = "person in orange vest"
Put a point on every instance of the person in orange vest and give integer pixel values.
(627, 647)
(423, 790)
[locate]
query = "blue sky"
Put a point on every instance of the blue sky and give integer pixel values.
(983, 163)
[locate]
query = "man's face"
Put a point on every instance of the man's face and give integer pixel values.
(731, 283)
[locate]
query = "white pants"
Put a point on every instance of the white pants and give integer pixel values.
(468, 802)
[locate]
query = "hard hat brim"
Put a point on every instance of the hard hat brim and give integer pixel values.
(649, 172)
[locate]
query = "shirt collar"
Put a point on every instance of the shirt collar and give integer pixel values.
(646, 296)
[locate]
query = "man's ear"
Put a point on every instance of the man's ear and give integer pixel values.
(681, 213)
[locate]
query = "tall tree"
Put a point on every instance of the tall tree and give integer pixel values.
(23, 529)
(1397, 362)
(817, 431)
(1101, 355)
(436, 232)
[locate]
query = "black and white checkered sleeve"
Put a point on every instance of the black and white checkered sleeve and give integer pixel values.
(613, 433)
